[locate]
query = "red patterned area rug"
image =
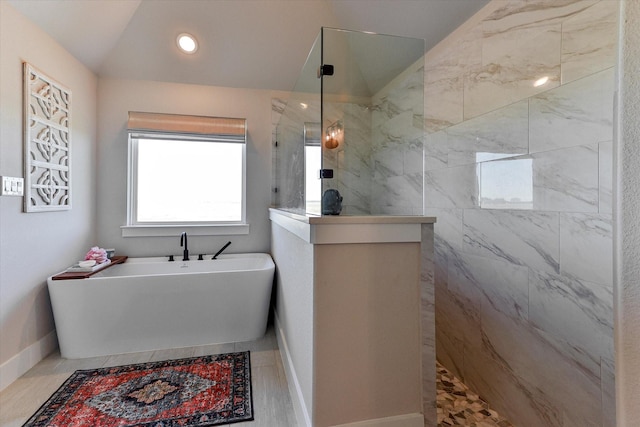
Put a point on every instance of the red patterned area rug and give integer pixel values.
(195, 392)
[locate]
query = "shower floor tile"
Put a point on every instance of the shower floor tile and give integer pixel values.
(459, 406)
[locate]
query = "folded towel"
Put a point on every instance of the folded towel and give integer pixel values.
(77, 269)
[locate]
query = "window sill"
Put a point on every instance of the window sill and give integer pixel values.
(175, 230)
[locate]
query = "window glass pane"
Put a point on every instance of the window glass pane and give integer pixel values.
(189, 181)
(313, 184)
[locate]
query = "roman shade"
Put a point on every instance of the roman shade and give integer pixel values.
(225, 128)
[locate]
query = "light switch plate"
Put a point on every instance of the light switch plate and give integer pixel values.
(12, 186)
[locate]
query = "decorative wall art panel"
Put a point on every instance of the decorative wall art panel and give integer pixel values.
(47, 143)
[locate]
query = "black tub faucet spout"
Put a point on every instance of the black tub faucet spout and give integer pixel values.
(183, 242)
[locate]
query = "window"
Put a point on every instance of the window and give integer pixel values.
(184, 172)
(312, 166)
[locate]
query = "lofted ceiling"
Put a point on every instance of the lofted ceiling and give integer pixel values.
(259, 44)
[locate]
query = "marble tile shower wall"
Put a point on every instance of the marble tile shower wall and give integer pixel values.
(379, 168)
(520, 178)
(397, 137)
(351, 162)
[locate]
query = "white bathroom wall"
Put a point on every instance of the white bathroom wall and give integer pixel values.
(294, 312)
(117, 97)
(627, 230)
(34, 246)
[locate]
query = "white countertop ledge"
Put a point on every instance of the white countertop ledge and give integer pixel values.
(343, 229)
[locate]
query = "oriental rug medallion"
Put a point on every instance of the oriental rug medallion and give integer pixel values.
(195, 392)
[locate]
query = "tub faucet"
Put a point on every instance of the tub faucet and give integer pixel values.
(220, 251)
(183, 242)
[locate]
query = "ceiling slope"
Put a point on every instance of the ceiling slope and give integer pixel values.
(259, 44)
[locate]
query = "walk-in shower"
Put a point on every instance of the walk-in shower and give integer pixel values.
(353, 123)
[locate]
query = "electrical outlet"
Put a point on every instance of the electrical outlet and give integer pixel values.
(12, 186)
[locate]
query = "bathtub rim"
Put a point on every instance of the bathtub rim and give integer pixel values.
(268, 264)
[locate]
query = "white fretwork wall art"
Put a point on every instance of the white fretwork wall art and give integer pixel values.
(47, 143)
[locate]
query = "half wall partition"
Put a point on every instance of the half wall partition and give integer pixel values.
(354, 306)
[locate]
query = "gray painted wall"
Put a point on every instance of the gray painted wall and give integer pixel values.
(34, 246)
(117, 97)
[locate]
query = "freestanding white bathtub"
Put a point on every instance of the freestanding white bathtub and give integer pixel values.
(151, 304)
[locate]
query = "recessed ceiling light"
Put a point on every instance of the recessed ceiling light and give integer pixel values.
(187, 43)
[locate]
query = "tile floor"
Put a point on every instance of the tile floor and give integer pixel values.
(459, 406)
(271, 400)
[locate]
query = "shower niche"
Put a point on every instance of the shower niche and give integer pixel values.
(353, 127)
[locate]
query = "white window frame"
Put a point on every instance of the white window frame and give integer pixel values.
(134, 228)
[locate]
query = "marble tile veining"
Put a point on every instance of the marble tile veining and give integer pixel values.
(448, 228)
(576, 312)
(443, 104)
(452, 187)
(520, 178)
(589, 41)
(498, 134)
(577, 113)
(586, 248)
(436, 152)
(514, 14)
(557, 376)
(566, 179)
(508, 393)
(522, 238)
(515, 59)
(502, 285)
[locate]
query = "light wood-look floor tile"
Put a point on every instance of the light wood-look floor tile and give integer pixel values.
(271, 400)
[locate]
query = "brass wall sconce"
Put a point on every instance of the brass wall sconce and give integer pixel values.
(334, 135)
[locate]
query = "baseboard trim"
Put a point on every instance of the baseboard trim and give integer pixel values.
(409, 420)
(15, 367)
(299, 406)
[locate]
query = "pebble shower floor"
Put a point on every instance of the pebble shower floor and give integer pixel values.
(459, 406)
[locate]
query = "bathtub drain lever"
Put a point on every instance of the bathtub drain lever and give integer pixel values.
(220, 251)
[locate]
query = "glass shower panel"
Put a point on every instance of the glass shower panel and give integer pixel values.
(355, 117)
(372, 121)
(297, 133)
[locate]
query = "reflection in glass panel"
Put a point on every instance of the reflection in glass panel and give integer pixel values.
(506, 184)
(312, 166)
(302, 106)
(367, 108)
(372, 117)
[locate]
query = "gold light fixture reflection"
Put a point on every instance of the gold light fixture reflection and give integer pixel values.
(334, 135)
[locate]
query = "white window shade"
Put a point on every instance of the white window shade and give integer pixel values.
(229, 129)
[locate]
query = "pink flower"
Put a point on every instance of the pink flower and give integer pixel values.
(98, 254)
